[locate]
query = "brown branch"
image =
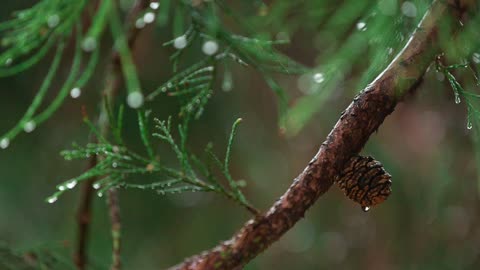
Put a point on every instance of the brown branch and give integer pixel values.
(363, 117)
(113, 82)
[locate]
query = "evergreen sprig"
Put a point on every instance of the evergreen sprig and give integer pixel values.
(121, 167)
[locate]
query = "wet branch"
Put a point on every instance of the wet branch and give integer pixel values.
(113, 82)
(362, 117)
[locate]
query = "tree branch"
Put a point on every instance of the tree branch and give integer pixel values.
(362, 117)
(113, 82)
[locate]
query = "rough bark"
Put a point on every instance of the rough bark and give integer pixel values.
(362, 118)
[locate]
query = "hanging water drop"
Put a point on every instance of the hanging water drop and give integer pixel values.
(457, 98)
(99, 194)
(319, 77)
(210, 47)
(89, 44)
(180, 42)
(29, 126)
(71, 184)
(139, 23)
(4, 143)
(135, 100)
(469, 123)
(53, 20)
(8, 62)
(61, 187)
(366, 208)
(149, 17)
(362, 26)
(52, 199)
(75, 92)
(409, 9)
(96, 185)
(154, 5)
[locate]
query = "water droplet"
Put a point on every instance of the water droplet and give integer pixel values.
(149, 17)
(52, 199)
(457, 98)
(319, 77)
(99, 194)
(75, 92)
(475, 58)
(61, 188)
(71, 184)
(135, 100)
(210, 47)
(96, 185)
(154, 5)
(409, 9)
(114, 165)
(29, 126)
(89, 44)
(469, 123)
(139, 23)
(180, 42)
(53, 20)
(4, 143)
(366, 208)
(8, 62)
(362, 26)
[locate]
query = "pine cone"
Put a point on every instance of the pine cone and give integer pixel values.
(365, 181)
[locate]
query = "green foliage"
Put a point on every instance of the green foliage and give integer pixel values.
(120, 167)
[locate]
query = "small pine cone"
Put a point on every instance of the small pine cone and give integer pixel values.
(365, 181)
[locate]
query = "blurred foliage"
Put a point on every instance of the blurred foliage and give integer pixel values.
(217, 59)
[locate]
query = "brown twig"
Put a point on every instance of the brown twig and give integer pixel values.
(363, 117)
(112, 84)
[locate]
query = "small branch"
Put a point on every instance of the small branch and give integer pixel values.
(363, 117)
(112, 84)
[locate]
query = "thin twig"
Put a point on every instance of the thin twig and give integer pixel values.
(363, 117)
(112, 84)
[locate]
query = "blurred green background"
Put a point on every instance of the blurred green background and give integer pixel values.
(431, 221)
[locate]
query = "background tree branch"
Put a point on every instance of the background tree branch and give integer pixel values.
(113, 82)
(362, 117)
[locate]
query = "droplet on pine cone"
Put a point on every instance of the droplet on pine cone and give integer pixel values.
(365, 181)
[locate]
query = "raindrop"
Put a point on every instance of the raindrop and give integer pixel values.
(366, 208)
(71, 184)
(457, 98)
(409, 9)
(89, 44)
(180, 42)
(149, 17)
(319, 77)
(4, 143)
(135, 100)
(29, 126)
(362, 26)
(469, 123)
(75, 92)
(210, 47)
(154, 5)
(61, 187)
(96, 185)
(139, 23)
(52, 199)
(475, 58)
(99, 194)
(53, 20)
(8, 62)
